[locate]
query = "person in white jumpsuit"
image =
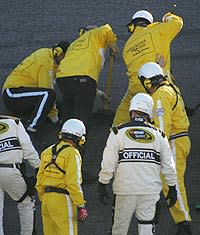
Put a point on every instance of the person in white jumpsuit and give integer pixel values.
(135, 154)
(15, 145)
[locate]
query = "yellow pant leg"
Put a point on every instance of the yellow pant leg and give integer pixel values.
(59, 215)
(180, 149)
(122, 112)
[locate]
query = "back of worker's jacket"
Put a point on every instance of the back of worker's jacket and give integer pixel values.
(146, 42)
(68, 178)
(15, 144)
(36, 70)
(136, 155)
(86, 55)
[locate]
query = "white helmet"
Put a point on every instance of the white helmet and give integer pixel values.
(149, 70)
(143, 14)
(74, 127)
(142, 102)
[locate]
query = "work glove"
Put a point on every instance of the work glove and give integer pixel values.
(103, 194)
(114, 50)
(104, 97)
(167, 17)
(82, 214)
(172, 196)
(30, 182)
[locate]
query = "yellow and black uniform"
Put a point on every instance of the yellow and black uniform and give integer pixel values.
(146, 44)
(29, 87)
(79, 71)
(170, 116)
(59, 189)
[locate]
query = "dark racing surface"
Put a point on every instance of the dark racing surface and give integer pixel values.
(29, 25)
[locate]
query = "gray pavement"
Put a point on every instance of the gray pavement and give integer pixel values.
(28, 25)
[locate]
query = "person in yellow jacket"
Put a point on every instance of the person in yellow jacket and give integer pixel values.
(148, 42)
(79, 71)
(59, 182)
(28, 89)
(170, 115)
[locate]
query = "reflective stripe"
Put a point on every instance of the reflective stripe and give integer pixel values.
(159, 106)
(29, 94)
(181, 134)
(70, 215)
(78, 165)
(179, 197)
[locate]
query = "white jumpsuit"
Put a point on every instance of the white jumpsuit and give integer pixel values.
(135, 155)
(15, 145)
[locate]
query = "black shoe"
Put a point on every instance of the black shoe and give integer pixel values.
(184, 228)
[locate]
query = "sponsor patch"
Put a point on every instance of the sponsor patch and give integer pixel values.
(3, 127)
(140, 135)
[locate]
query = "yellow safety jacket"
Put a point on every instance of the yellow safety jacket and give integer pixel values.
(169, 111)
(66, 174)
(37, 70)
(85, 56)
(148, 43)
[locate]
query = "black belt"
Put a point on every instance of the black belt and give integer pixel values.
(50, 189)
(10, 165)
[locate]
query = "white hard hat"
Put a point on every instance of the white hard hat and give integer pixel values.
(143, 14)
(74, 127)
(149, 70)
(142, 102)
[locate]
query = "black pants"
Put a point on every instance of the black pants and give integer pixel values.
(30, 100)
(79, 94)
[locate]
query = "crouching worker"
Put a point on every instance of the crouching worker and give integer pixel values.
(59, 181)
(15, 146)
(136, 152)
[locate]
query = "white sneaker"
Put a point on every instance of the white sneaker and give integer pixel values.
(31, 129)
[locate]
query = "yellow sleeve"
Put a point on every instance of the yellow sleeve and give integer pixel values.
(39, 185)
(106, 34)
(171, 26)
(74, 178)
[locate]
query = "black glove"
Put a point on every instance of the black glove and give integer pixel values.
(31, 182)
(103, 194)
(172, 196)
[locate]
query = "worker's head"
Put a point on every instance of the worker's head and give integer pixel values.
(59, 51)
(141, 105)
(82, 30)
(140, 18)
(73, 130)
(151, 75)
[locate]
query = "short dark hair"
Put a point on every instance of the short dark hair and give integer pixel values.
(141, 22)
(63, 45)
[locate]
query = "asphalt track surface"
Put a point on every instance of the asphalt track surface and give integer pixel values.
(29, 25)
